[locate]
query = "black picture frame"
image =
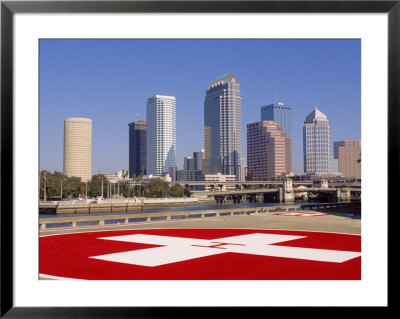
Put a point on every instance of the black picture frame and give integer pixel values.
(9, 8)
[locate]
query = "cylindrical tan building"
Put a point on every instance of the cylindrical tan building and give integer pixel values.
(78, 148)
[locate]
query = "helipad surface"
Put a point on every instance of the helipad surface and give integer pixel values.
(251, 247)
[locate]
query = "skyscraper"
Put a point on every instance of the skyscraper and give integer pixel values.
(348, 154)
(316, 143)
(278, 112)
(161, 134)
(137, 148)
(78, 148)
(192, 168)
(188, 163)
(268, 151)
(198, 160)
(222, 127)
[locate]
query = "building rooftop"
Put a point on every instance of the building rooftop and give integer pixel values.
(224, 79)
(78, 119)
(315, 115)
(158, 96)
(140, 122)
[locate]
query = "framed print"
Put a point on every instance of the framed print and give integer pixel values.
(235, 130)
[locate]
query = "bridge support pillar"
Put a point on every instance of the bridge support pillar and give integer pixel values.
(288, 197)
(343, 195)
(280, 195)
(287, 191)
(220, 199)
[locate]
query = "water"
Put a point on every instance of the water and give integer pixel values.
(176, 209)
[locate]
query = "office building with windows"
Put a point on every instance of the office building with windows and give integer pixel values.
(161, 134)
(268, 151)
(188, 163)
(278, 112)
(137, 148)
(316, 144)
(198, 160)
(189, 175)
(348, 154)
(192, 168)
(222, 127)
(78, 148)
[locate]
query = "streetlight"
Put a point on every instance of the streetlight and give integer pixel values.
(44, 187)
(102, 186)
(61, 189)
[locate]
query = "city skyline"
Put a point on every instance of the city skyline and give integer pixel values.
(112, 86)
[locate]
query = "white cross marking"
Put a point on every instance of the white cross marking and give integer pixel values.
(176, 249)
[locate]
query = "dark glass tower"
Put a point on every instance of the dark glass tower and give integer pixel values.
(198, 160)
(137, 148)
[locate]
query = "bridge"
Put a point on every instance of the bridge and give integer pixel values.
(239, 185)
(286, 194)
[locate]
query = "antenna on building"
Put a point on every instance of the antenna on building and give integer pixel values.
(137, 113)
(276, 97)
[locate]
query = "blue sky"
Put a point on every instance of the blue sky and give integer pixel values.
(109, 81)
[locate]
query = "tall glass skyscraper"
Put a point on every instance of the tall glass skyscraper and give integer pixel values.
(316, 143)
(137, 148)
(223, 127)
(278, 112)
(161, 134)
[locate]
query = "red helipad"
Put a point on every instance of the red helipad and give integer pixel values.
(201, 254)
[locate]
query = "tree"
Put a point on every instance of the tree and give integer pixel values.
(94, 186)
(125, 173)
(71, 186)
(187, 192)
(156, 188)
(124, 189)
(177, 190)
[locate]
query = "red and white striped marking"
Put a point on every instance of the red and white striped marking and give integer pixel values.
(201, 254)
(300, 214)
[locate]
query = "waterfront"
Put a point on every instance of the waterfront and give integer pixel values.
(172, 207)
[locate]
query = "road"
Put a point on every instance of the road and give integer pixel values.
(341, 220)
